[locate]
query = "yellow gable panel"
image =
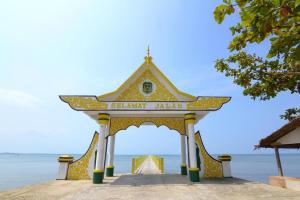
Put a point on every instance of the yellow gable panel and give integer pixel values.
(137, 90)
(147, 83)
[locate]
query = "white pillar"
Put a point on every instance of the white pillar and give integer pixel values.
(183, 155)
(64, 162)
(104, 151)
(190, 120)
(98, 175)
(111, 151)
(183, 152)
(192, 146)
(225, 159)
(101, 148)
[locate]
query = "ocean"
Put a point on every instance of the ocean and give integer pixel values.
(17, 170)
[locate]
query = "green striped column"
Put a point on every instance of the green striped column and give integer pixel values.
(183, 170)
(110, 171)
(98, 176)
(194, 174)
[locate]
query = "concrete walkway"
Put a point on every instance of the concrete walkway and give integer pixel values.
(148, 167)
(148, 187)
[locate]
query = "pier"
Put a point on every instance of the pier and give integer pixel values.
(147, 165)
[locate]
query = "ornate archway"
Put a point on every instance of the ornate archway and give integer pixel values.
(147, 96)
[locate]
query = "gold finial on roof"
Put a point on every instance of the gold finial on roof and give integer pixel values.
(148, 51)
(148, 58)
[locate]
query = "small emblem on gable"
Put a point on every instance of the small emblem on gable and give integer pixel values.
(147, 87)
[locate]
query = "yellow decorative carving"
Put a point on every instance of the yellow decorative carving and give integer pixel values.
(117, 124)
(207, 103)
(78, 169)
(84, 103)
(212, 167)
(147, 64)
(133, 93)
(103, 118)
(190, 118)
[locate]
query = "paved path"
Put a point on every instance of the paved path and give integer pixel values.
(148, 187)
(148, 167)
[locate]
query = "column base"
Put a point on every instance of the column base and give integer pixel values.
(194, 174)
(110, 171)
(98, 176)
(183, 170)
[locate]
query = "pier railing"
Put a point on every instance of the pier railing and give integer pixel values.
(159, 162)
(137, 162)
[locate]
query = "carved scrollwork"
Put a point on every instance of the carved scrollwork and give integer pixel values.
(117, 124)
(84, 102)
(207, 103)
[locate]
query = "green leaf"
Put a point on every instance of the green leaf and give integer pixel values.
(241, 3)
(297, 3)
(228, 2)
(261, 20)
(220, 12)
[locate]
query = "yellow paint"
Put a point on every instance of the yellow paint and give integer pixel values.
(189, 116)
(65, 159)
(159, 162)
(207, 103)
(193, 169)
(136, 163)
(103, 121)
(147, 64)
(129, 105)
(103, 116)
(84, 103)
(133, 93)
(168, 106)
(117, 124)
(212, 167)
(224, 157)
(109, 167)
(190, 121)
(98, 170)
(78, 170)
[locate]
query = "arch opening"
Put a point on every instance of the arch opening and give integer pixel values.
(147, 139)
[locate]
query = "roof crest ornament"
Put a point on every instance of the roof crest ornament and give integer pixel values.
(148, 58)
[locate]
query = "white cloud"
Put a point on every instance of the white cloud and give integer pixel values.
(19, 98)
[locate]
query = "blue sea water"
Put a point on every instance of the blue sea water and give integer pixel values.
(17, 170)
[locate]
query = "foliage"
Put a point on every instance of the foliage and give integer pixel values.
(290, 114)
(275, 20)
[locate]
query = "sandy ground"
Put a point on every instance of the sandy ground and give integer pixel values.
(145, 187)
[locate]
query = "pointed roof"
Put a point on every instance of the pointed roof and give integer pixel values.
(146, 91)
(163, 88)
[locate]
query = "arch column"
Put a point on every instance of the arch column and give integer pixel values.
(110, 164)
(190, 120)
(103, 120)
(183, 155)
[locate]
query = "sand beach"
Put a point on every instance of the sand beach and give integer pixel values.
(158, 186)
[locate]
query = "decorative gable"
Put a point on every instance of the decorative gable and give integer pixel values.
(147, 83)
(146, 88)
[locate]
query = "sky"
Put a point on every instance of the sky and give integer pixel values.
(59, 47)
